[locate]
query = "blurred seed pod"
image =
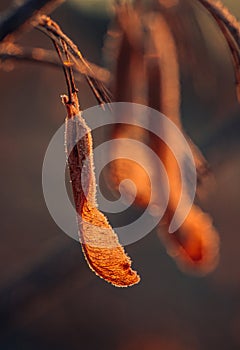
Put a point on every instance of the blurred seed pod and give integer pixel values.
(195, 244)
(152, 47)
(129, 85)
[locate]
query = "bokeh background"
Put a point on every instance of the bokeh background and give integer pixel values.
(49, 298)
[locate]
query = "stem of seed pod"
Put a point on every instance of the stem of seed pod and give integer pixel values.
(52, 29)
(64, 70)
(74, 89)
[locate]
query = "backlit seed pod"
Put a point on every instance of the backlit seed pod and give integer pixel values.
(129, 85)
(195, 245)
(183, 56)
(103, 252)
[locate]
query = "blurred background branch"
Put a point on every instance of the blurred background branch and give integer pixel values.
(17, 16)
(48, 58)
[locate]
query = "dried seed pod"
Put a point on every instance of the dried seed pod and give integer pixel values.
(163, 68)
(164, 91)
(178, 52)
(103, 252)
(129, 86)
(195, 244)
(196, 241)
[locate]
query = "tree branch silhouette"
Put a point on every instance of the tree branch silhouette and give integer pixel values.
(18, 16)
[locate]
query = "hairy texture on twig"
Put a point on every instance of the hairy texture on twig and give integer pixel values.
(52, 29)
(195, 243)
(15, 18)
(230, 28)
(100, 244)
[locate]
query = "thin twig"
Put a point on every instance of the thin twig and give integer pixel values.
(65, 71)
(12, 20)
(51, 29)
(47, 57)
(235, 54)
(69, 68)
(218, 10)
(230, 28)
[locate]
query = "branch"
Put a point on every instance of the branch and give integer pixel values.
(235, 54)
(218, 10)
(53, 31)
(230, 28)
(12, 20)
(48, 58)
